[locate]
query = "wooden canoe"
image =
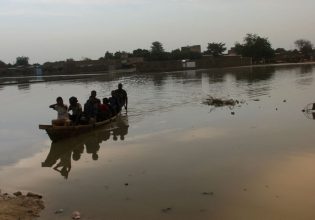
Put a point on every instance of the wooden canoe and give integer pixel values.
(61, 132)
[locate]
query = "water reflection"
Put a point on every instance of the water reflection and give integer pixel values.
(309, 111)
(305, 75)
(24, 86)
(306, 69)
(63, 152)
(253, 74)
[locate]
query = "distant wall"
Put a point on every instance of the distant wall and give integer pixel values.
(205, 62)
(224, 61)
(70, 67)
(160, 66)
(28, 70)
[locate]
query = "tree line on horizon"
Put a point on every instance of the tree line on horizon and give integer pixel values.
(259, 48)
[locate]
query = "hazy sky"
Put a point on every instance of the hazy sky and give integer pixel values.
(50, 30)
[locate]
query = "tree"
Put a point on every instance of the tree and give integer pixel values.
(259, 48)
(86, 59)
(215, 49)
(157, 47)
(177, 54)
(305, 47)
(2, 64)
(280, 50)
(108, 55)
(157, 51)
(141, 53)
(22, 61)
(70, 60)
(117, 55)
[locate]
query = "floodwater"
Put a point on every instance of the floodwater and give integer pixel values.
(170, 156)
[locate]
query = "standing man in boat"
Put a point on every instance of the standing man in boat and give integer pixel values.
(123, 97)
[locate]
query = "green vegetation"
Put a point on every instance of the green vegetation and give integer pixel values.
(215, 49)
(157, 51)
(305, 47)
(259, 48)
(2, 64)
(22, 61)
(141, 53)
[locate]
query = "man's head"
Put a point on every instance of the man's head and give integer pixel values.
(59, 101)
(73, 100)
(120, 86)
(105, 100)
(93, 93)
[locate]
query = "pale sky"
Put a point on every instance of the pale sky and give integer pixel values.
(51, 30)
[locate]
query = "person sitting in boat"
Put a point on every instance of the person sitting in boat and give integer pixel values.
(122, 96)
(114, 103)
(104, 111)
(91, 107)
(76, 109)
(62, 110)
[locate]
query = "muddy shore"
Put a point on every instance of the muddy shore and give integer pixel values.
(19, 206)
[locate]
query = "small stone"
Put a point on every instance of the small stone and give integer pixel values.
(126, 184)
(276, 109)
(232, 113)
(17, 193)
(33, 195)
(284, 100)
(256, 100)
(303, 110)
(76, 215)
(59, 211)
(244, 189)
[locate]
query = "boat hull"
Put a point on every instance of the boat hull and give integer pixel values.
(57, 133)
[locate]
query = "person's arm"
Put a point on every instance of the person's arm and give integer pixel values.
(52, 106)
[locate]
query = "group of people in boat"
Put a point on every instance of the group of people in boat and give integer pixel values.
(94, 109)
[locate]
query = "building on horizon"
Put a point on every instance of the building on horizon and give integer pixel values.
(194, 48)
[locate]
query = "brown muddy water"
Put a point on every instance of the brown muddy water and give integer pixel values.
(170, 157)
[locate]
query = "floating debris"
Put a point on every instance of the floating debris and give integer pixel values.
(218, 102)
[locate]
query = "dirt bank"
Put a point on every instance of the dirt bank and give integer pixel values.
(19, 206)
